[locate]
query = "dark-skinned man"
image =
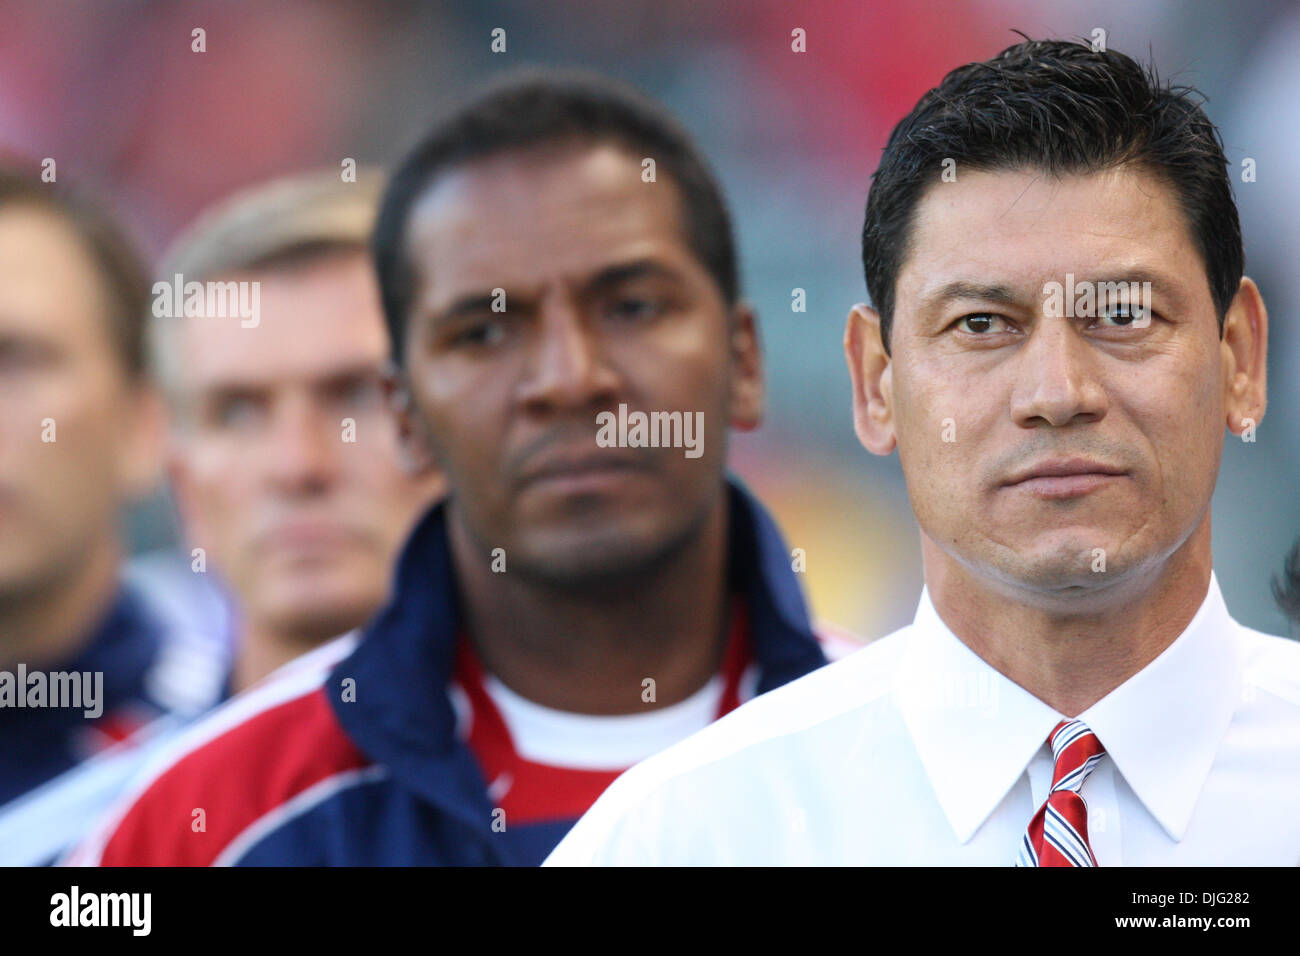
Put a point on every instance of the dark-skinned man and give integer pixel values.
(559, 279)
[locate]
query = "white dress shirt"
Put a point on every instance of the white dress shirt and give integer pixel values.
(914, 751)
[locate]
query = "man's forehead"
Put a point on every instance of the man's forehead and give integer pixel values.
(1017, 227)
(525, 219)
(208, 370)
(297, 339)
(45, 274)
(1019, 196)
(50, 289)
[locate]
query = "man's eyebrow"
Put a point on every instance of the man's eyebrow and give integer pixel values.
(477, 302)
(347, 375)
(1005, 295)
(628, 271)
(470, 304)
(224, 391)
(1159, 281)
(965, 289)
(335, 377)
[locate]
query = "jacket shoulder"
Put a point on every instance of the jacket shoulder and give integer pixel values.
(233, 774)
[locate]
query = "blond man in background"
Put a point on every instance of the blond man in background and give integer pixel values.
(283, 462)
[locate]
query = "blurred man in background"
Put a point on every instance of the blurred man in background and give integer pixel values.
(88, 667)
(550, 257)
(283, 459)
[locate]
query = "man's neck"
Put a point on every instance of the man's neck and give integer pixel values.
(259, 653)
(1070, 653)
(51, 624)
(593, 652)
(265, 645)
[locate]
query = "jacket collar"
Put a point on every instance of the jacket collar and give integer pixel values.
(122, 647)
(400, 713)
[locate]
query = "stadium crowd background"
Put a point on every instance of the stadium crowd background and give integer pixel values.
(114, 93)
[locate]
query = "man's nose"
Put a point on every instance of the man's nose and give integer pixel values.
(569, 366)
(304, 446)
(1057, 379)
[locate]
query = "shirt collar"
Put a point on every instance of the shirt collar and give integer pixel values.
(1162, 727)
(976, 730)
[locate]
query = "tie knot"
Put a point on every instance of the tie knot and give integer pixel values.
(1076, 751)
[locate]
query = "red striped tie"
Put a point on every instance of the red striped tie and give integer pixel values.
(1058, 833)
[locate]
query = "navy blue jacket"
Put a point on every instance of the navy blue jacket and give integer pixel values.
(140, 675)
(351, 755)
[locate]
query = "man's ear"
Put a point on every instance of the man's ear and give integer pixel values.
(747, 369)
(414, 447)
(1244, 349)
(871, 372)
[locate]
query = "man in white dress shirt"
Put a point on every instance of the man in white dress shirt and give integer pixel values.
(1061, 332)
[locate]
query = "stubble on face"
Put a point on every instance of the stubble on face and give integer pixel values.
(604, 305)
(981, 402)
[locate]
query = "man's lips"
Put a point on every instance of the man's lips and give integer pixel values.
(1065, 477)
(1064, 467)
(306, 536)
(583, 471)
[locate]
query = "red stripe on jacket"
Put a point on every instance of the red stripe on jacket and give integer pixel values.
(235, 779)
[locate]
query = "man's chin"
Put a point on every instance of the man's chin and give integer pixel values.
(28, 567)
(592, 554)
(610, 499)
(1069, 570)
(323, 604)
(316, 624)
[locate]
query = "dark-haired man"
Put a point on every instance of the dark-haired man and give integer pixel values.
(575, 605)
(1073, 691)
(90, 669)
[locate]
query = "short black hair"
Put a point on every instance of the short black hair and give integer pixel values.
(537, 108)
(113, 252)
(1060, 106)
(1286, 589)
